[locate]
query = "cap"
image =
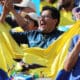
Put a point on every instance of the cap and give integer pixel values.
(26, 3)
(32, 15)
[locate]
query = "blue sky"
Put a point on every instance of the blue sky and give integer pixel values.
(37, 4)
(0, 8)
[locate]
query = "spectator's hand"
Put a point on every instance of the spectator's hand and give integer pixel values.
(9, 4)
(5, 10)
(2, 2)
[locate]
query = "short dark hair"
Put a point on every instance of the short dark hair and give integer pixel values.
(55, 13)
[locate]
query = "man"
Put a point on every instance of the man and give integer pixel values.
(65, 7)
(47, 31)
(31, 20)
(75, 17)
(71, 70)
(72, 63)
(76, 13)
(24, 6)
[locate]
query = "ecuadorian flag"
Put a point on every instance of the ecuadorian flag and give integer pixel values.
(53, 57)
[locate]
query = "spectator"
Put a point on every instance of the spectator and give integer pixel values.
(72, 63)
(73, 59)
(31, 20)
(75, 17)
(76, 13)
(25, 6)
(65, 7)
(47, 31)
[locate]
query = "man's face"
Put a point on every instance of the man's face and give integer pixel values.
(46, 22)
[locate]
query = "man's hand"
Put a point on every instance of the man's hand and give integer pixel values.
(72, 57)
(2, 2)
(9, 4)
(5, 10)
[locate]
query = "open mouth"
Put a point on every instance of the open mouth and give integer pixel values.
(42, 23)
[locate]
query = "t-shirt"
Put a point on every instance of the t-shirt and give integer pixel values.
(66, 18)
(36, 38)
